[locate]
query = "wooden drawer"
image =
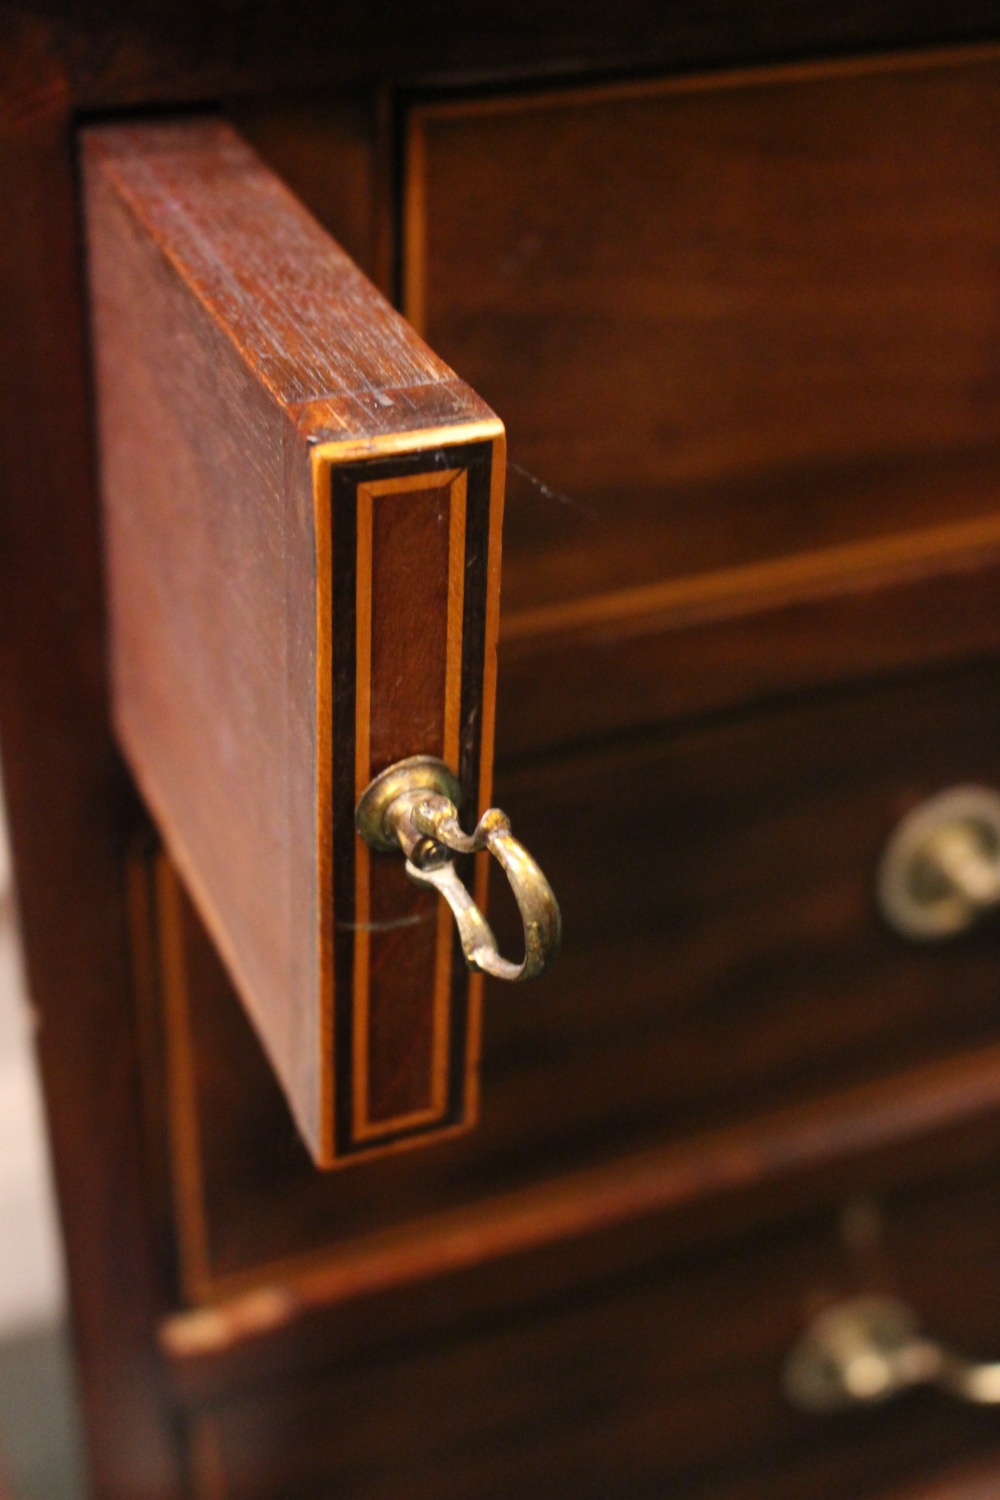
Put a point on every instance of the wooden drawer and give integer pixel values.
(726, 317)
(741, 331)
(661, 1376)
(302, 512)
(726, 958)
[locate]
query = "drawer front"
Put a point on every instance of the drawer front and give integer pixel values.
(661, 1378)
(729, 317)
(726, 957)
(742, 333)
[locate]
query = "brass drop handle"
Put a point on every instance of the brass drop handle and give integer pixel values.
(868, 1349)
(410, 809)
(940, 872)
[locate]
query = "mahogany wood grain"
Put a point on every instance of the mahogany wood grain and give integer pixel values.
(741, 329)
(302, 513)
(436, 1276)
(332, 148)
(282, 1316)
(727, 318)
(722, 643)
(664, 1379)
(68, 805)
(747, 963)
(70, 815)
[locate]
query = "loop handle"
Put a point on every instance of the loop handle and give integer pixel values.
(411, 808)
(867, 1349)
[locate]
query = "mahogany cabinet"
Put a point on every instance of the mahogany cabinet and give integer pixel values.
(729, 282)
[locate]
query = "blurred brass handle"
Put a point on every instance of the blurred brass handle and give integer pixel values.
(410, 808)
(940, 872)
(868, 1349)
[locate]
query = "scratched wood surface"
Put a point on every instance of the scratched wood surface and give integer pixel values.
(253, 388)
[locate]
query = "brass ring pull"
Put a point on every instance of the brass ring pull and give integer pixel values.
(410, 808)
(868, 1349)
(940, 873)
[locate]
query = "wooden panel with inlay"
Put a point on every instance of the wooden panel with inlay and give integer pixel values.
(742, 331)
(409, 615)
(302, 509)
(727, 318)
(656, 1373)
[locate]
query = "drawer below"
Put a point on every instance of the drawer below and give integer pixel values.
(659, 1379)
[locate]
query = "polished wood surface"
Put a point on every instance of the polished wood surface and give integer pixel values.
(432, 1274)
(774, 978)
(663, 1377)
(719, 645)
(68, 803)
(740, 327)
(561, 1333)
(727, 319)
(302, 521)
(115, 53)
(299, 134)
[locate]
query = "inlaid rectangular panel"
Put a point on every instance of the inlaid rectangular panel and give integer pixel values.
(409, 607)
(302, 511)
(742, 328)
